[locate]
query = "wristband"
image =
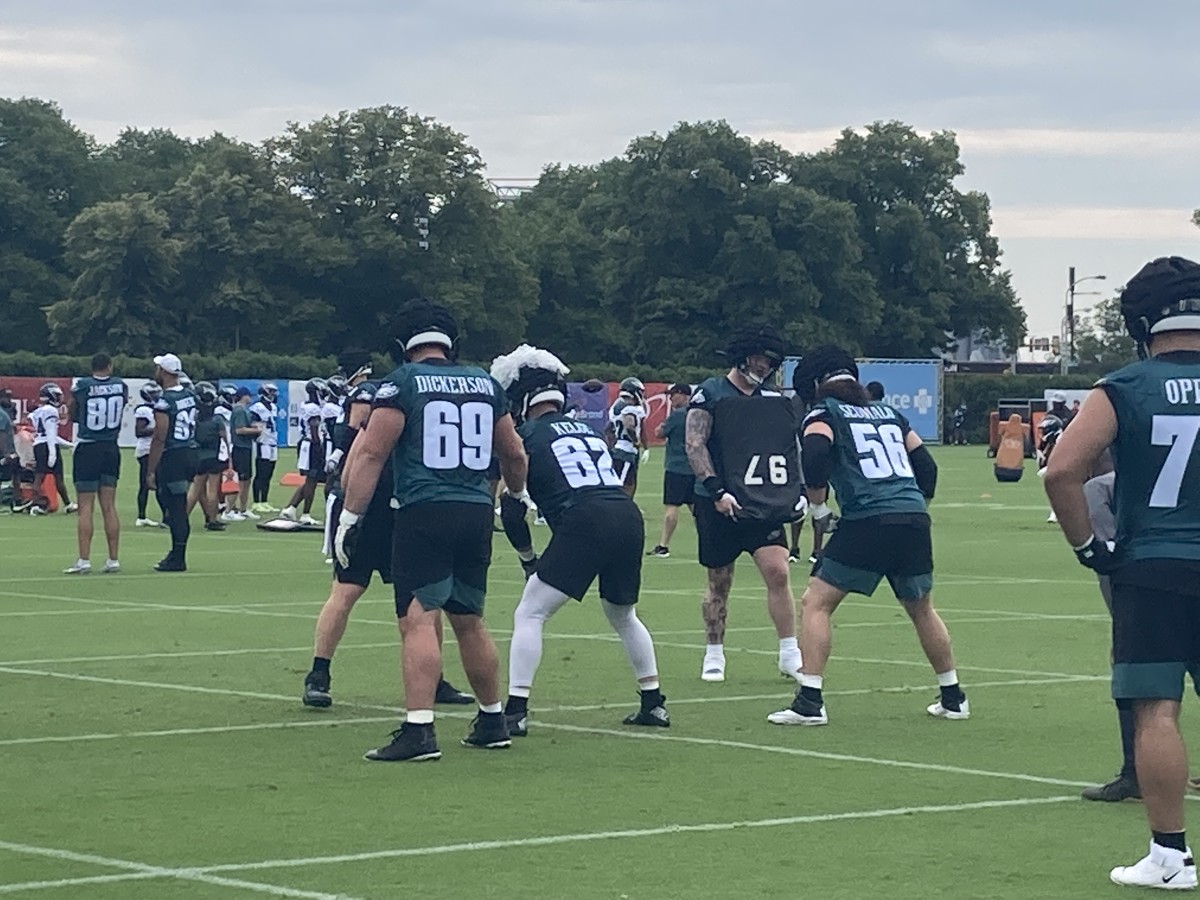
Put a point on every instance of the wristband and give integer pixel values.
(714, 485)
(1085, 544)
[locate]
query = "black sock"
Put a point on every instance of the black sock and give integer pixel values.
(321, 664)
(652, 698)
(952, 697)
(1125, 718)
(181, 528)
(1173, 840)
(516, 706)
(812, 695)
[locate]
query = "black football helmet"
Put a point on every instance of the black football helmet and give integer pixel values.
(338, 386)
(316, 389)
(50, 392)
(634, 387)
(206, 393)
(228, 394)
(531, 376)
(268, 392)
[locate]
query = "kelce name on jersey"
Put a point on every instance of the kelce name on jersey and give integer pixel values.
(105, 390)
(571, 428)
(454, 384)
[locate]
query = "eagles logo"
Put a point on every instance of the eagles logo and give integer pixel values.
(386, 390)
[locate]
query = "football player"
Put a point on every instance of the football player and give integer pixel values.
(143, 429)
(625, 419)
(1148, 414)
(373, 551)
(678, 481)
(884, 478)
(741, 444)
(172, 458)
(263, 415)
(47, 460)
(209, 437)
(440, 422)
(310, 453)
(597, 531)
(243, 436)
(1049, 430)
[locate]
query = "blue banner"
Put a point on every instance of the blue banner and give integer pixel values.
(911, 386)
(281, 403)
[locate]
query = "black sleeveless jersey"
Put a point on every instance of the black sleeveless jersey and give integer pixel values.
(568, 463)
(757, 455)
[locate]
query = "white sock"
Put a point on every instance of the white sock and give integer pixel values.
(419, 716)
(947, 679)
(111, 562)
(787, 645)
(538, 603)
(83, 562)
(639, 646)
(714, 650)
(812, 681)
(526, 555)
(491, 707)
(650, 685)
(519, 692)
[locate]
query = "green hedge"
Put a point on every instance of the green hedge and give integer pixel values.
(982, 392)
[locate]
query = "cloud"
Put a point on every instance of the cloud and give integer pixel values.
(1093, 223)
(52, 50)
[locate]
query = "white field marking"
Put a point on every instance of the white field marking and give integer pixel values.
(174, 576)
(610, 732)
(143, 871)
(174, 732)
(779, 697)
(65, 612)
(183, 654)
(550, 840)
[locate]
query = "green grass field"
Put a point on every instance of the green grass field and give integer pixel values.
(154, 745)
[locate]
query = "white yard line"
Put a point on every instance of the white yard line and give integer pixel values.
(208, 873)
(141, 871)
(173, 732)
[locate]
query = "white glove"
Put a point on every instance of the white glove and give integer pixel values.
(523, 496)
(344, 539)
(645, 455)
(823, 518)
(334, 460)
(1042, 472)
(801, 508)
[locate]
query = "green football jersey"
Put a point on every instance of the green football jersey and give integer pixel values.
(1157, 492)
(675, 459)
(449, 411)
(180, 406)
(99, 403)
(872, 474)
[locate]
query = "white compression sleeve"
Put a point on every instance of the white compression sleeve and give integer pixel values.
(538, 603)
(639, 646)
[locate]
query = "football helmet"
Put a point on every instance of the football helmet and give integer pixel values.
(531, 376)
(268, 392)
(338, 386)
(422, 322)
(634, 388)
(50, 392)
(316, 389)
(1050, 426)
(228, 394)
(150, 392)
(206, 393)
(755, 340)
(185, 382)
(1163, 296)
(825, 363)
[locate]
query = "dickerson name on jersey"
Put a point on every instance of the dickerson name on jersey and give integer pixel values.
(454, 384)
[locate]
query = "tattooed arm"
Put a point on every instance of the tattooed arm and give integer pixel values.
(697, 430)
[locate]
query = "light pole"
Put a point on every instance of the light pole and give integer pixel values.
(1067, 338)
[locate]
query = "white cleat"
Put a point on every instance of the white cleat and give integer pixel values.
(111, 567)
(288, 513)
(231, 515)
(250, 515)
(789, 716)
(38, 511)
(72, 507)
(713, 669)
(1167, 870)
(936, 709)
(79, 568)
(789, 665)
(306, 519)
(1053, 517)
(145, 523)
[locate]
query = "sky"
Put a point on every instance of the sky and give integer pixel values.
(1079, 118)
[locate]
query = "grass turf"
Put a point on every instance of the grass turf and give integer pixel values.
(154, 743)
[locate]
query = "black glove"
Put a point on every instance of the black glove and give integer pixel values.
(1097, 556)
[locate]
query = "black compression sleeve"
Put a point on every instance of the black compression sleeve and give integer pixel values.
(516, 528)
(817, 458)
(347, 438)
(925, 470)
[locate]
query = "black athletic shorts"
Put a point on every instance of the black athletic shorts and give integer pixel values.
(241, 459)
(176, 469)
(41, 461)
(373, 550)
(863, 552)
(678, 489)
(600, 537)
(210, 466)
(97, 464)
(440, 556)
(1156, 628)
(722, 539)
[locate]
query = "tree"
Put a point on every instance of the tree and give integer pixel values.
(148, 162)
(1101, 338)
(928, 245)
(127, 266)
(47, 176)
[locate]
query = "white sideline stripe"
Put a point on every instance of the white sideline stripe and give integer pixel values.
(173, 732)
(179, 654)
(550, 840)
(142, 871)
(781, 696)
(207, 872)
(710, 742)
(174, 576)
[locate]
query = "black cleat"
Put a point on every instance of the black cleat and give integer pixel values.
(170, 564)
(449, 694)
(518, 724)
(316, 691)
(214, 525)
(410, 743)
(529, 567)
(489, 731)
(660, 551)
(655, 717)
(1123, 787)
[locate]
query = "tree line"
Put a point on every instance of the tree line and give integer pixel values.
(308, 241)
